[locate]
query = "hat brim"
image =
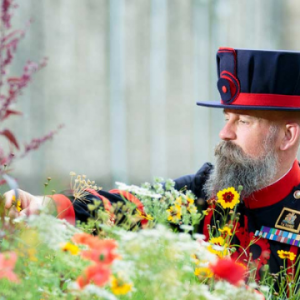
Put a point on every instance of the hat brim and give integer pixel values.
(232, 106)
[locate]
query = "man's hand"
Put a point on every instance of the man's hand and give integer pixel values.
(27, 204)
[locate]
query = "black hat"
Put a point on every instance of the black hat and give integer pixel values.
(257, 79)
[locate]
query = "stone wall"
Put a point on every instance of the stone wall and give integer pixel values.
(124, 76)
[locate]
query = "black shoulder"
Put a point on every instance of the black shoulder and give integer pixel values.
(82, 213)
(196, 181)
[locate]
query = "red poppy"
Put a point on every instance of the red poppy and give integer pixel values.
(92, 241)
(229, 270)
(97, 274)
(104, 253)
(86, 239)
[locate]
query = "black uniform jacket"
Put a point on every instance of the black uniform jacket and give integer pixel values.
(273, 212)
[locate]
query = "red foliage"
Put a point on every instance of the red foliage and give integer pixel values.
(10, 112)
(11, 87)
(10, 136)
(37, 142)
(5, 12)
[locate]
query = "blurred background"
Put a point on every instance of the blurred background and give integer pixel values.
(124, 77)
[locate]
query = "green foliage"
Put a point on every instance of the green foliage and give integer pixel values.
(164, 204)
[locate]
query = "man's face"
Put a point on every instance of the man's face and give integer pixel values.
(247, 129)
(248, 154)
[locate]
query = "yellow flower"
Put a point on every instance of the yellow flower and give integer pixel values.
(174, 213)
(286, 255)
(215, 243)
(190, 200)
(144, 216)
(73, 249)
(228, 198)
(17, 203)
(188, 203)
(203, 272)
(226, 231)
(119, 287)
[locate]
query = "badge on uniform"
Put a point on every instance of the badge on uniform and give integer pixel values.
(289, 220)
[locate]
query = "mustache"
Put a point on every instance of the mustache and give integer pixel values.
(231, 152)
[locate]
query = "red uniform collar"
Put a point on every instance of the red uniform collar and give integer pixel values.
(276, 191)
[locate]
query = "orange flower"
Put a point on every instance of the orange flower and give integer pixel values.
(229, 270)
(86, 239)
(104, 253)
(101, 251)
(97, 274)
(7, 264)
(91, 241)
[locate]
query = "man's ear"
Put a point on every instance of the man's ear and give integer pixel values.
(291, 136)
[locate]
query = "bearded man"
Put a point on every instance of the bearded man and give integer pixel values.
(260, 97)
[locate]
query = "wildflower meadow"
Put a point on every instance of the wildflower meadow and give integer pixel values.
(154, 254)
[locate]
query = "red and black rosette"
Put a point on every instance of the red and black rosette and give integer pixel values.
(228, 83)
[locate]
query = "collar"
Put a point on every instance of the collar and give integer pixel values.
(276, 191)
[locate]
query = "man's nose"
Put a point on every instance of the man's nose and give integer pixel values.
(228, 133)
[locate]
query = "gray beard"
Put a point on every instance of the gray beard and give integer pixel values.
(234, 168)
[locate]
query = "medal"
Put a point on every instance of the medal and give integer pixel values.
(289, 220)
(278, 235)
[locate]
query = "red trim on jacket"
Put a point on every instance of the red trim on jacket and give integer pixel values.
(291, 268)
(271, 100)
(64, 208)
(134, 200)
(207, 221)
(290, 263)
(106, 202)
(275, 192)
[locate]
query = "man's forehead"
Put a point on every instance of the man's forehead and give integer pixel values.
(244, 112)
(270, 115)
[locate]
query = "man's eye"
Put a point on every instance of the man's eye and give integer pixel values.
(243, 122)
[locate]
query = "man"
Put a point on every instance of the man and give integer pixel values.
(260, 95)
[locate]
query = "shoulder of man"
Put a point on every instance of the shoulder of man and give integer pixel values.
(195, 182)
